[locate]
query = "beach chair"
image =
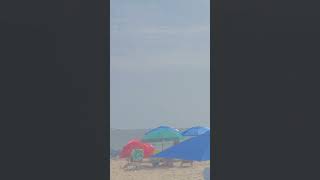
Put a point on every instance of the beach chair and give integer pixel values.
(155, 162)
(186, 162)
(168, 162)
(135, 160)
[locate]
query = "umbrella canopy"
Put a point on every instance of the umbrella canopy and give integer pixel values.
(162, 127)
(195, 131)
(162, 133)
(136, 144)
(194, 149)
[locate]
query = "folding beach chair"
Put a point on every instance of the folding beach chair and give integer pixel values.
(186, 162)
(168, 162)
(155, 162)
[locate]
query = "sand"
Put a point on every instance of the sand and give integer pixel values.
(159, 173)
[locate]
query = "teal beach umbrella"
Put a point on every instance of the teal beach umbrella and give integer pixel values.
(161, 134)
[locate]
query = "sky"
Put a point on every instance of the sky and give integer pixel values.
(160, 63)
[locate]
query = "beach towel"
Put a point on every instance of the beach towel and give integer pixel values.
(137, 154)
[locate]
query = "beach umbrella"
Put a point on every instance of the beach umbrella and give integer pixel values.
(194, 149)
(195, 131)
(136, 144)
(161, 134)
(162, 128)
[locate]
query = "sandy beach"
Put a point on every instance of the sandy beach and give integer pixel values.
(160, 173)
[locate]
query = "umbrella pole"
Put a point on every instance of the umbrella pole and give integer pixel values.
(162, 145)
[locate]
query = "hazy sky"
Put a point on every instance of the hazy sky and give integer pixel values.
(160, 72)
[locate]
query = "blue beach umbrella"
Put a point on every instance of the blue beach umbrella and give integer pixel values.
(194, 149)
(195, 131)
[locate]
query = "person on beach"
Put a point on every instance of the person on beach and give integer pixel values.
(206, 173)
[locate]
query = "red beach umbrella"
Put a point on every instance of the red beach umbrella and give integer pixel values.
(137, 144)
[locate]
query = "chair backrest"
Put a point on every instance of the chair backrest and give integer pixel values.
(137, 155)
